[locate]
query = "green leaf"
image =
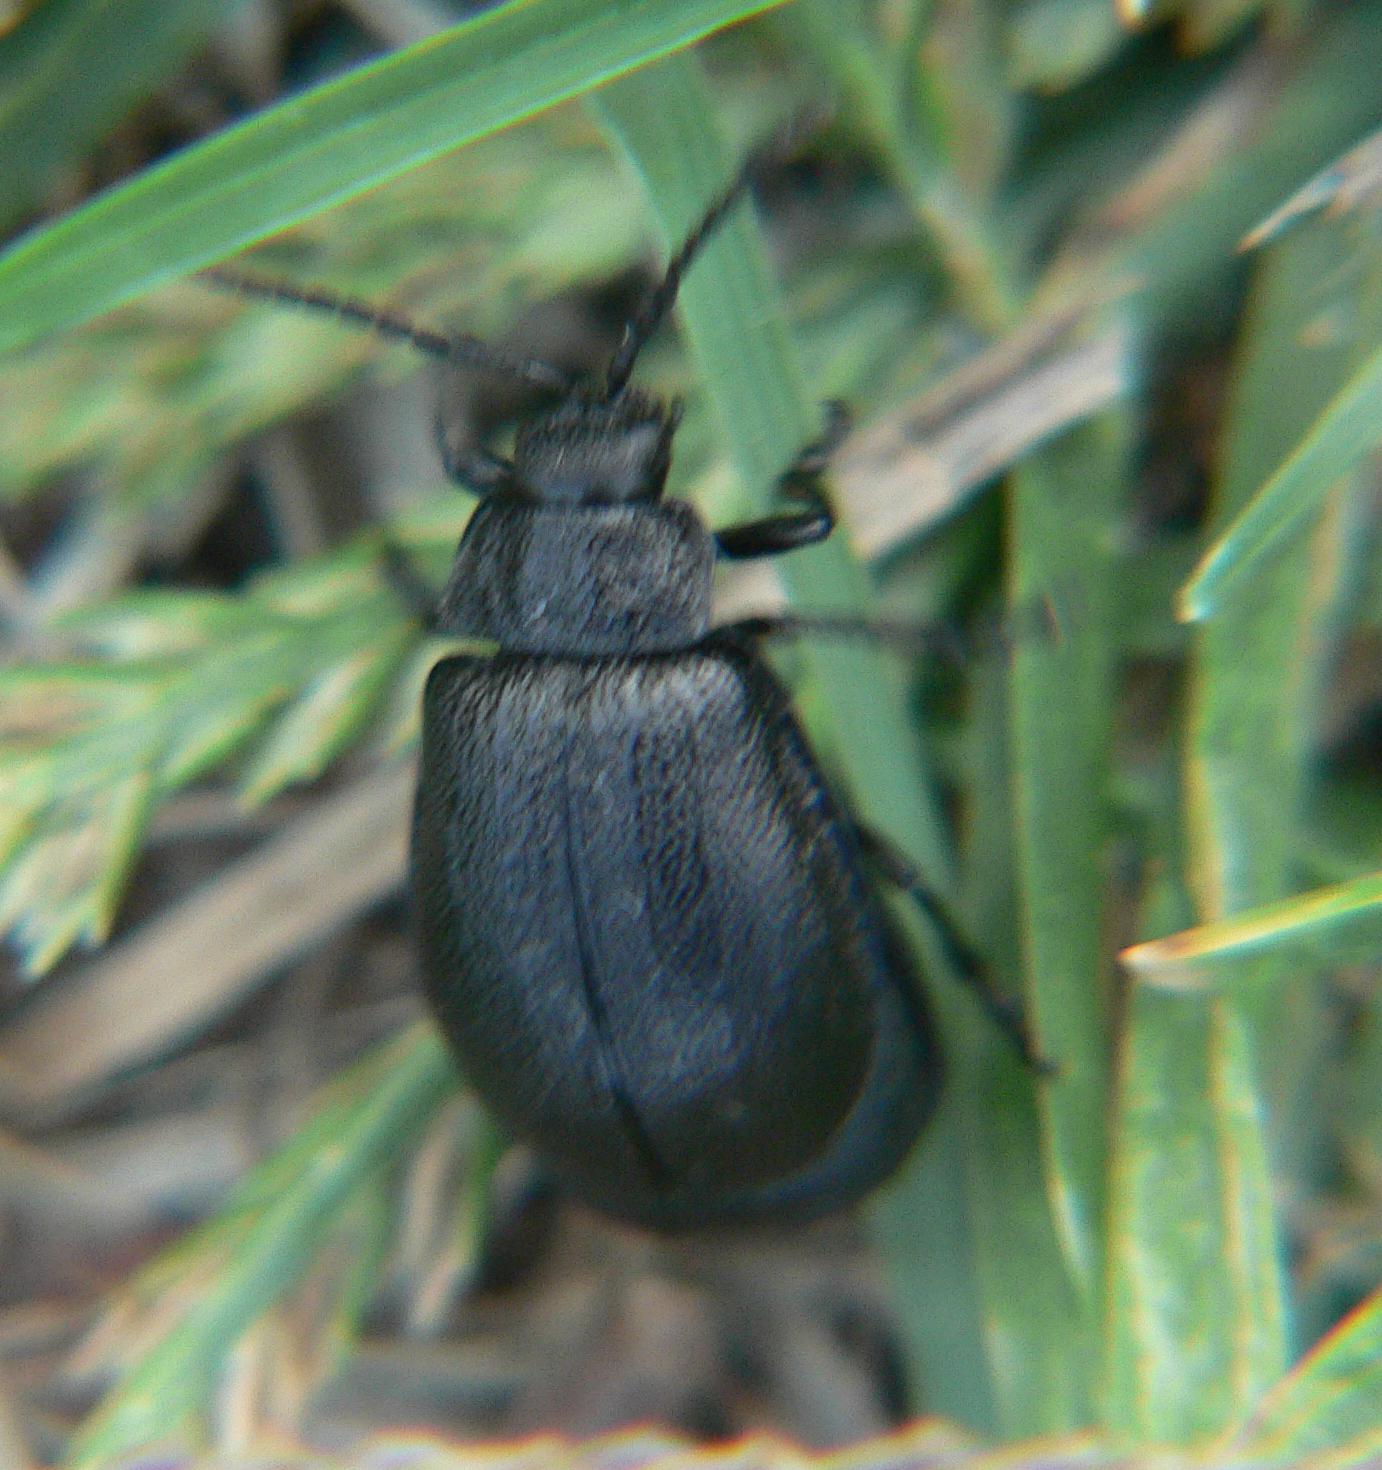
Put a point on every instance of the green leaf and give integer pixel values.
(72, 67)
(1323, 927)
(265, 1238)
(1348, 428)
(334, 142)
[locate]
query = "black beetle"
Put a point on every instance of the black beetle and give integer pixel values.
(647, 927)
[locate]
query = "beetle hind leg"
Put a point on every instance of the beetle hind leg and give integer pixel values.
(1003, 1010)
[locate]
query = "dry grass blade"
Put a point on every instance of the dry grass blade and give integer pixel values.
(188, 965)
(911, 469)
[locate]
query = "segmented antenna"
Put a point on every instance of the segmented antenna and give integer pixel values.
(660, 300)
(459, 350)
(464, 350)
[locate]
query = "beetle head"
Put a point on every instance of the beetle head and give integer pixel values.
(597, 451)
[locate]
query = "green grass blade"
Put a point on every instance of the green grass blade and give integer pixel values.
(1036, 1322)
(924, 1229)
(72, 68)
(915, 149)
(1056, 44)
(1197, 1317)
(663, 117)
(1034, 1176)
(266, 1237)
(734, 324)
(1330, 1402)
(732, 317)
(332, 143)
(1192, 1248)
(1328, 98)
(1321, 927)
(1065, 508)
(1352, 181)
(1255, 664)
(1348, 428)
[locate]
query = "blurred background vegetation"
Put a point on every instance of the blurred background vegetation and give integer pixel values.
(1102, 284)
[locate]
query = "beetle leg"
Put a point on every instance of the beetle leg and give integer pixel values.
(1004, 1011)
(408, 584)
(470, 466)
(1040, 619)
(801, 481)
(940, 640)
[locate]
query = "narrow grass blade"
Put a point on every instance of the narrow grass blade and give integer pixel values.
(734, 324)
(265, 1238)
(1349, 182)
(1325, 102)
(924, 1228)
(1322, 927)
(332, 143)
(1055, 44)
(1348, 428)
(730, 312)
(1064, 510)
(1035, 1174)
(1038, 1333)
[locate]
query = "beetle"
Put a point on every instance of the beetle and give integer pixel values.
(651, 932)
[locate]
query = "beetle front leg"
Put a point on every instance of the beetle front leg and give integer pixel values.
(801, 481)
(470, 466)
(474, 469)
(1003, 1010)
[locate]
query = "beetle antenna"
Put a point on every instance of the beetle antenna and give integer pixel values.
(660, 300)
(460, 350)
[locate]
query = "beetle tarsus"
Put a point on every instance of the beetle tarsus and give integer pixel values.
(800, 481)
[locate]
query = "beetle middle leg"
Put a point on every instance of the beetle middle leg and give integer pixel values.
(1004, 1011)
(800, 481)
(408, 584)
(1040, 618)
